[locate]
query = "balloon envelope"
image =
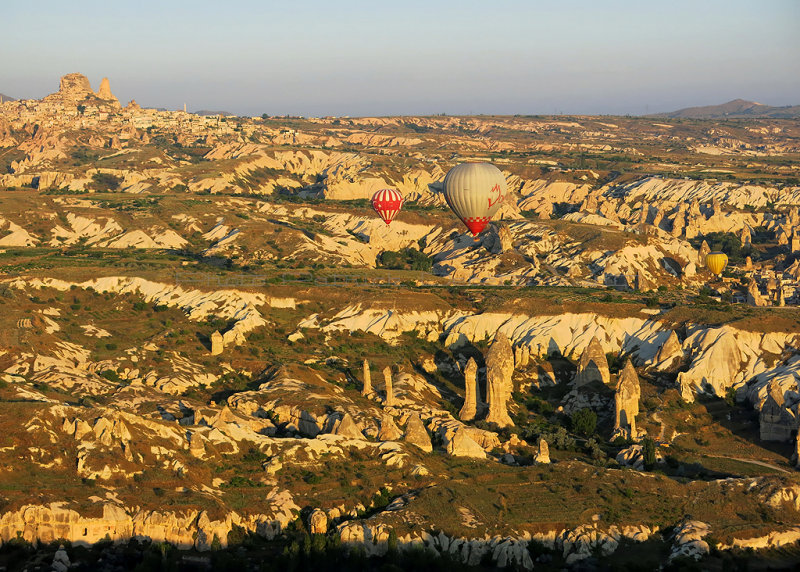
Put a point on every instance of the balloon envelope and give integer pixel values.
(387, 203)
(716, 262)
(475, 191)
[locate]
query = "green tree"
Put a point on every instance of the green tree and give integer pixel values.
(318, 543)
(584, 421)
(391, 542)
(649, 452)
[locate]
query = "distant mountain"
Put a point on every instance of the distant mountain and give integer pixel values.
(208, 112)
(736, 109)
(4, 97)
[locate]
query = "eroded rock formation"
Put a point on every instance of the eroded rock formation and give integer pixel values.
(347, 427)
(416, 434)
(75, 86)
(776, 422)
(542, 456)
(593, 365)
(669, 353)
(216, 343)
(498, 239)
(366, 390)
(389, 430)
(387, 380)
(318, 522)
(470, 409)
(499, 369)
(462, 445)
(105, 91)
(626, 402)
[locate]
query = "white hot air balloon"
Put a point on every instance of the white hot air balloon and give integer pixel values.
(475, 191)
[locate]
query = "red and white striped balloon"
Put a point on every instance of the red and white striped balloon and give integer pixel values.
(387, 203)
(475, 191)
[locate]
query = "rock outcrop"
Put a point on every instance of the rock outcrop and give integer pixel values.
(347, 427)
(626, 402)
(499, 369)
(216, 343)
(462, 445)
(754, 297)
(470, 408)
(389, 430)
(74, 86)
(6, 138)
(416, 434)
(105, 91)
(633, 456)
(669, 353)
(498, 239)
(522, 356)
(593, 365)
(542, 456)
(61, 562)
(704, 251)
(796, 455)
(186, 529)
(776, 422)
(502, 552)
(688, 540)
(318, 522)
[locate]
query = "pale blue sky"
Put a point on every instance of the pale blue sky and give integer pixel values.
(354, 57)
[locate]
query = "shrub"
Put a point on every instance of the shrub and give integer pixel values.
(110, 375)
(594, 449)
(105, 182)
(254, 455)
(559, 439)
(730, 396)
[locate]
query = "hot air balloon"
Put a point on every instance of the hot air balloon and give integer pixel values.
(387, 203)
(474, 191)
(716, 262)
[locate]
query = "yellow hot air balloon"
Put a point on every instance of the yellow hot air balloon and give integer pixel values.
(716, 262)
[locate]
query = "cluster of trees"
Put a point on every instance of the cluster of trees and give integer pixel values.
(405, 259)
(726, 242)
